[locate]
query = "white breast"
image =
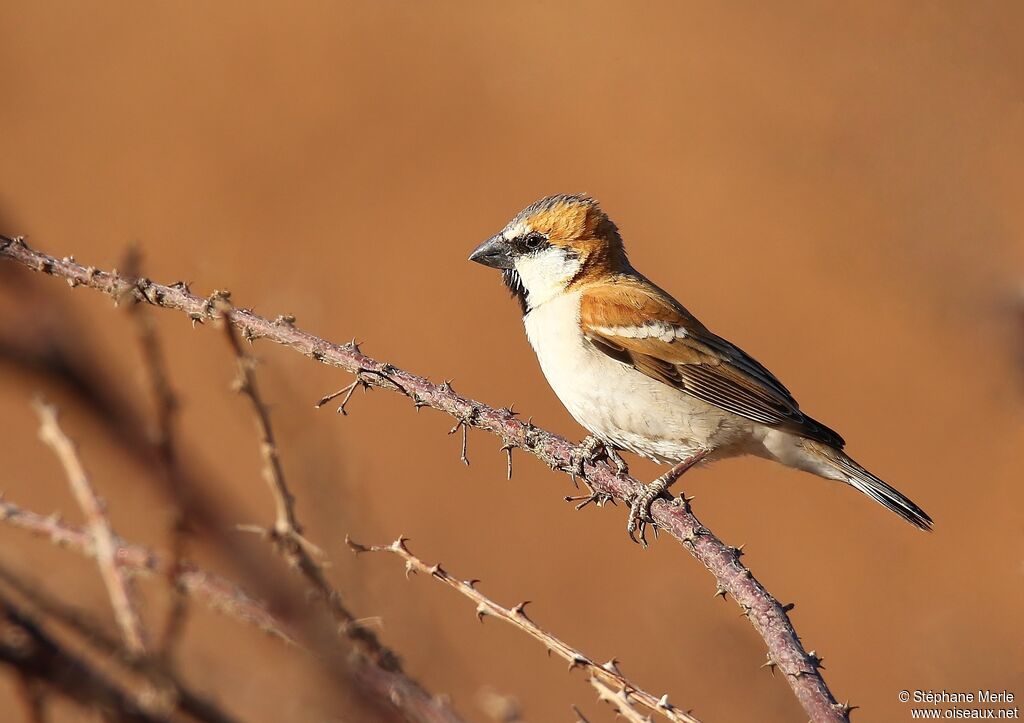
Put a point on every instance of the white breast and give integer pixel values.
(618, 404)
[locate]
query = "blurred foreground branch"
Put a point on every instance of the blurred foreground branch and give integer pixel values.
(42, 661)
(219, 593)
(768, 617)
(165, 692)
(387, 682)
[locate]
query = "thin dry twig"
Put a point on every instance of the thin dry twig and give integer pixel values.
(765, 613)
(119, 587)
(287, 531)
(286, 535)
(347, 391)
(611, 685)
(167, 691)
(218, 592)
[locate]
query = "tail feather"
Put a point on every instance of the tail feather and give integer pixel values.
(882, 493)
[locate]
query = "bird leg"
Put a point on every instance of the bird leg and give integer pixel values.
(640, 505)
(621, 468)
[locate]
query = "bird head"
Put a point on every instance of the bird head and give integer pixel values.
(553, 245)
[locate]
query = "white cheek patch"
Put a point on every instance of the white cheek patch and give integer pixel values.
(660, 330)
(545, 275)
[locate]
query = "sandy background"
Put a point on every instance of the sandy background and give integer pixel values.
(836, 189)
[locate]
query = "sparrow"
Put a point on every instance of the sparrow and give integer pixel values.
(640, 373)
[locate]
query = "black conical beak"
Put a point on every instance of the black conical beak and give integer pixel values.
(493, 252)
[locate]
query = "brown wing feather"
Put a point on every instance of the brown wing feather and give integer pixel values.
(699, 363)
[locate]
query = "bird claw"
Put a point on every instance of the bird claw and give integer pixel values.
(640, 516)
(598, 499)
(593, 449)
(586, 451)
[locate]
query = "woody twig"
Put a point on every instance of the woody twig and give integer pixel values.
(119, 587)
(609, 682)
(286, 532)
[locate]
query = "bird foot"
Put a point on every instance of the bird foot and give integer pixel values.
(593, 449)
(640, 503)
(640, 511)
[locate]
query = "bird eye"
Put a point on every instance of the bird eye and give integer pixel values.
(534, 241)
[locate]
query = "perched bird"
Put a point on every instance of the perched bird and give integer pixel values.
(640, 372)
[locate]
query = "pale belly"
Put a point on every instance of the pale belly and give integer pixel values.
(624, 407)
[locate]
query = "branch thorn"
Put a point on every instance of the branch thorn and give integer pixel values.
(507, 449)
(355, 546)
(520, 609)
(612, 666)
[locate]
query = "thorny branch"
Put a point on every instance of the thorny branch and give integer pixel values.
(765, 613)
(118, 586)
(612, 686)
(286, 535)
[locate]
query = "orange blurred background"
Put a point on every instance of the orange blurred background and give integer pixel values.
(837, 188)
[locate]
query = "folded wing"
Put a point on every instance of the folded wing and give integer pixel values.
(640, 325)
